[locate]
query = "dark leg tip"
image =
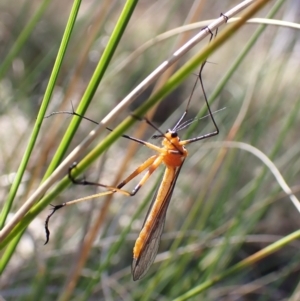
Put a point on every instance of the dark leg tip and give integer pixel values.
(225, 17)
(54, 208)
(73, 165)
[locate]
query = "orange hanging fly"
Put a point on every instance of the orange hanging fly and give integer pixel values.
(172, 154)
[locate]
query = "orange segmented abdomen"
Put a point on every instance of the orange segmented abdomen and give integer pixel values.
(155, 210)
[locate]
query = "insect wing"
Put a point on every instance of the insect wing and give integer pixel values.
(141, 265)
(148, 253)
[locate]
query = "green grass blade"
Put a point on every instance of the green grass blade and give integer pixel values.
(94, 82)
(272, 248)
(23, 37)
(37, 126)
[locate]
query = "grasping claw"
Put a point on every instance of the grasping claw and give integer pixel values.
(225, 17)
(75, 181)
(54, 208)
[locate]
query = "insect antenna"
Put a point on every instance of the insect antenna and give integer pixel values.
(192, 120)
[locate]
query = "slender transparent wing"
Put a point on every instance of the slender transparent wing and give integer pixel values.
(148, 253)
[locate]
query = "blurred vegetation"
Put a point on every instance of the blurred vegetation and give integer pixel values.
(226, 206)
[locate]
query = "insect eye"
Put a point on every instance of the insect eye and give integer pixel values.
(174, 135)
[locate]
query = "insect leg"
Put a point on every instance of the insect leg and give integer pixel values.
(214, 133)
(152, 163)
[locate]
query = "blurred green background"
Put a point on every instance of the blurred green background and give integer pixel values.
(226, 205)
